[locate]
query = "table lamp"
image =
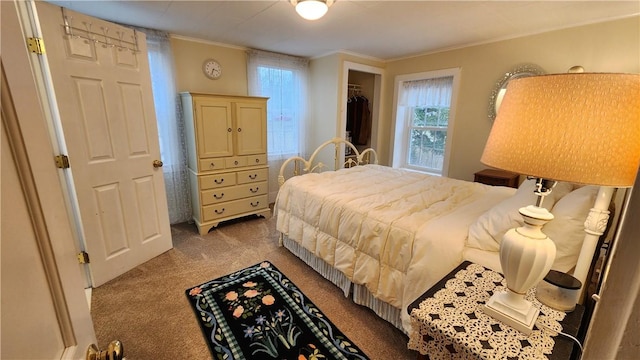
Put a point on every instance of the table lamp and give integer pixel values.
(581, 128)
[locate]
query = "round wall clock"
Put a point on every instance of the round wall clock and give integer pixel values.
(212, 69)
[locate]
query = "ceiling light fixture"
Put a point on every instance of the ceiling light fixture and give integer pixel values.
(312, 9)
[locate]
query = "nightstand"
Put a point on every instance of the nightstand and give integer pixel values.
(448, 322)
(497, 178)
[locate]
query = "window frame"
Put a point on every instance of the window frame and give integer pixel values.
(402, 116)
(275, 116)
(299, 69)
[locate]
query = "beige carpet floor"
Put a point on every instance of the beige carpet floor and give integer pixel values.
(147, 310)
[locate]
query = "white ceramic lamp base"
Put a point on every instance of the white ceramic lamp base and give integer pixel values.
(526, 256)
(513, 310)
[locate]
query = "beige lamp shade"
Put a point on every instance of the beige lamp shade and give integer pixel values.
(576, 127)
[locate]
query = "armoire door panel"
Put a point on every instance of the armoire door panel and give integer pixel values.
(251, 128)
(214, 128)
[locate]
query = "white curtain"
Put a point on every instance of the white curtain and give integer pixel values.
(284, 80)
(427, 92)
(170, 125)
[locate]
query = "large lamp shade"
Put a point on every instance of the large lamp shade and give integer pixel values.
(576, 127)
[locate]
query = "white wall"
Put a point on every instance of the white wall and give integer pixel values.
(188, 56)
(608, 47)
(325, 82)
(614, 331)
(605, 47)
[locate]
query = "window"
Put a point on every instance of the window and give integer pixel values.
(170, 125)
(283, 79)
(424, 118)
(279, 85)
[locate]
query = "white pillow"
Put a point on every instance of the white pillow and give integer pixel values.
(486, 233)
(567, 227)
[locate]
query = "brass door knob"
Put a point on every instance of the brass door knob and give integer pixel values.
(157, 163)
(115, 351)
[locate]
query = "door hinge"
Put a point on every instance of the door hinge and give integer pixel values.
(35, 45)
(62, 161)
(83, 257)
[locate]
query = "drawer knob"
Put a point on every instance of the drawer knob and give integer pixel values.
(212, 165)
(254, 190)
(239, 129)
(218, 181)
(235, 162)
(257, 161)
(220, 211)
(218, 197)
(253, 177)
(256, 204)
(229, 130)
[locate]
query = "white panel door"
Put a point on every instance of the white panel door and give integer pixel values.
(23, 317)
(103, 93)
(53, 321)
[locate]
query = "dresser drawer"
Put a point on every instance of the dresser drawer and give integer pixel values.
(253, 160)
(211, 164)
(235, 162)
(231, 208)
(250, 176)
(219, 195)
(217, 180)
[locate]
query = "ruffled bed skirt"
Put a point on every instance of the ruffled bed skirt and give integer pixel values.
(358, 293)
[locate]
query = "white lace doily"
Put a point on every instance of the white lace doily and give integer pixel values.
(452, 324)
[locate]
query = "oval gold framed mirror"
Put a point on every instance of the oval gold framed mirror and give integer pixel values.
(500, 89)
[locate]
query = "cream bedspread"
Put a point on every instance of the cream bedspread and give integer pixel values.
(395, 231)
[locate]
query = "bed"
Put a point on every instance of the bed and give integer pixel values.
(385, 235)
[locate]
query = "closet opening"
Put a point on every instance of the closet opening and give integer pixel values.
(360, 112)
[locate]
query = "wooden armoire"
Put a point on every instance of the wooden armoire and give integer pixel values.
(227, 157)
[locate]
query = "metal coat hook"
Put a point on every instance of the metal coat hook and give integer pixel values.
(89, 35)
(107, 43)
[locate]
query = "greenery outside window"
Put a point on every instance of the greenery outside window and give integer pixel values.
(424, 118)
(427, 137)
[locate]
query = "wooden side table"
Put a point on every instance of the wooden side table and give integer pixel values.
(448, 322)
(497, 178)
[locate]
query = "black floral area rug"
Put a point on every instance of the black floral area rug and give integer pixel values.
(258, 313)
